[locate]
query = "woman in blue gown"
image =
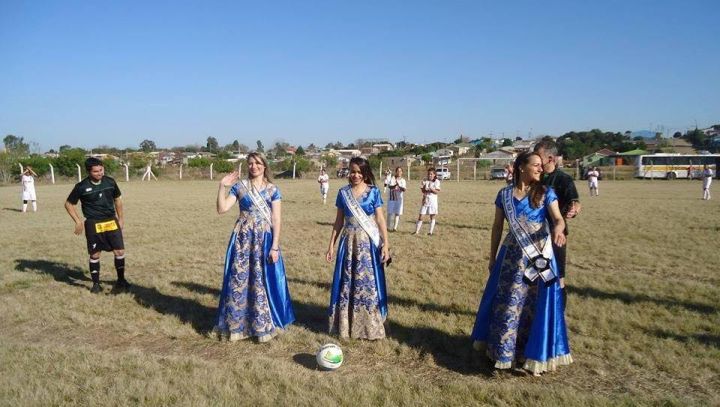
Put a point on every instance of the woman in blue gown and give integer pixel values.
(358, 301)
(520, 322)
(254, 301)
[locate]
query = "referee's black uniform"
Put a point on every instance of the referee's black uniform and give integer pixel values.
(564, 187)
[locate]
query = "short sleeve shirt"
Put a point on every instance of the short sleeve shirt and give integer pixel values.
(97, 200)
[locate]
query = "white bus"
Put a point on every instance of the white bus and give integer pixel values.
(672, 166)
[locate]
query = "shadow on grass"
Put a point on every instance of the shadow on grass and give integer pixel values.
(309, 316)
(703, 338)
(629, 298)
(61, 272)
(393, 300)
(12, 209)
(188, 311)
(306, 360)
(325, 223)
(198, 288)
(453, 352)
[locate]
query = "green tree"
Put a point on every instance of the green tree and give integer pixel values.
(260, 147)
(199, 162)
(147, 146)
(330, 160)
(300, 151)
(225, 166)
(40, 164)
(66, 161)
(16, 145)
(507, 142)
(236, 145)
(212, 145)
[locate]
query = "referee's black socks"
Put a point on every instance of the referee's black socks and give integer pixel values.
(120, 267)
(95, 270)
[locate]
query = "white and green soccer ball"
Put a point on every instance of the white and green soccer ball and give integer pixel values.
(329, 356)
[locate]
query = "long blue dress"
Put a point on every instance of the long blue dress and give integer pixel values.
(521, 323)
(358, 301)
(255, 300)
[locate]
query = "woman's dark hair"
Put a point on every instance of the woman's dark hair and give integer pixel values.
(537, 189)
(92, 162)
(365, 169)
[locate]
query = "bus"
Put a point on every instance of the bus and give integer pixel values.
(672, 166)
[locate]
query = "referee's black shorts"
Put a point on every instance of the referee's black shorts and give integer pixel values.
(100, 239)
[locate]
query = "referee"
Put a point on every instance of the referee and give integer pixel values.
(102, 208)
(568, 198)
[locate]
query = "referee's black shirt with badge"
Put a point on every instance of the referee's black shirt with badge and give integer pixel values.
(98, 201)
(565, 190)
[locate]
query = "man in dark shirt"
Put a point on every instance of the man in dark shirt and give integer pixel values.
(102, 208)
(567, 194)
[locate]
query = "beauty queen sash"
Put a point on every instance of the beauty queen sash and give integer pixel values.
(367, 224)
(258, 201)
(539, 259)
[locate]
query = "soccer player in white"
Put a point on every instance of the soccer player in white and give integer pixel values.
(397, 186)
(707, 175)
(28, 188)
(324, 181)
(386, 181)
(429, 188)
(592, 177)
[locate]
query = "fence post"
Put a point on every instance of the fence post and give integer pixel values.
(211, 171)
(127, 173)
(79, 174)
(408, 171)
(21, 169)
(614, 173)
(52, 173)
(379, 172)
(295, 165)
(458, 170)
(181, 171)
(474, 170)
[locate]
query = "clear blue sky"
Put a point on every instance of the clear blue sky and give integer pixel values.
(90, 73)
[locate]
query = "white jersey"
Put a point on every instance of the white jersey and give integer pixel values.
(592, 177)
(28, 185)
(324, 181)
(396, 196)
(707, 178)
(430, 200)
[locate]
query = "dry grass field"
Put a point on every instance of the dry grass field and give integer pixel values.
(643, 313)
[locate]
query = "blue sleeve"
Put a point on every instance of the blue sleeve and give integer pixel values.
(377, 198)
(234, 190)
(276, 195)
(498, 199)
(550, 196)
(339, 201)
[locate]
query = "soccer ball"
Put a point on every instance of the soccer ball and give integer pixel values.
(329, 356)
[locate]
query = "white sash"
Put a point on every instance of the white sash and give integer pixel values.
(538, 259)
(258, 201)
(367, 224)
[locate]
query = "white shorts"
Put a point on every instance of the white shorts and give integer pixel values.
(29, 195)
(324, 189)
(593, 184)
(429, 209)
(706, 182)
(395, 207)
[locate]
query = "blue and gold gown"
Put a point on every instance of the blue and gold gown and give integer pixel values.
(521, 323)
(358, 301)
(254, 300)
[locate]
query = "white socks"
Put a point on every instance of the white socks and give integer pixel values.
(25, 206)
(432, 226)
(418, 225)
(397, 220)
(34, 203)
